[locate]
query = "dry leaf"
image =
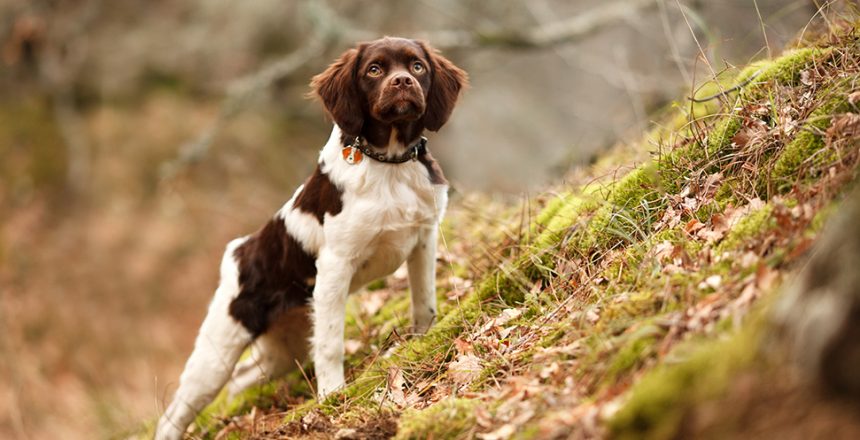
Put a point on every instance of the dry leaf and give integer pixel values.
(806, 77)
(663, 250)
(504, 432)
(463, 347)
(748, 259)
(844, 126)
(464, 369)
(507, 315)
(505, 331)
(693, 226)
(396, 384)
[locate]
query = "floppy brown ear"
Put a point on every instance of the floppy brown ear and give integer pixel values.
(445, 86)
(338, 91)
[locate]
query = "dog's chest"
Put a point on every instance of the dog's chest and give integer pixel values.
(382, 217)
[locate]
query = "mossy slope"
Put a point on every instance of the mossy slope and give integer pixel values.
(564, 316)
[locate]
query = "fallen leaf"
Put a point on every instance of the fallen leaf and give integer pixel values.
(663, 250)
(844, 126)
(396, 384)
(748, 259)
(806, 77)
(463, 347)
(507, 315)
(505, 331)
(504, 432)
(693, 226)
(464, 369)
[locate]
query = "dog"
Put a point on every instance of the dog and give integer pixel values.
(375, 200)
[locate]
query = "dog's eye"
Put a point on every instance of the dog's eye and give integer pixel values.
(417, 67)
(374, 70)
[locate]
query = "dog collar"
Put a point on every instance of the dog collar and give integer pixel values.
(354, 152)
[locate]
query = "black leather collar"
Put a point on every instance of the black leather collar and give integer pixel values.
(416, 150)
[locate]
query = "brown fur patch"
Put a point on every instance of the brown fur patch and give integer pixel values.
(446, 84)
(433, 169)
(337, 89)
(319, 196)
(273, 274)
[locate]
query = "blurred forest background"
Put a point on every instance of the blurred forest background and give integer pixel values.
(138, 137)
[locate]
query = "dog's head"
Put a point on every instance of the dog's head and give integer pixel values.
(390, 81)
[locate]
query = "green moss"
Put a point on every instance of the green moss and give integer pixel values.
(376, 285)
(749, 226)
(626, 212)
(658, 402)
(211, 418)
(551, 208)
(638, 347)
(448, 419)
(786, 69)
(808, 141)
(565, 214)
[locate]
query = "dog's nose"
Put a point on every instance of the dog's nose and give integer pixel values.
(402, 81)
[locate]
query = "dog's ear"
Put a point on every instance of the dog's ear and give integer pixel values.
(337, 89)
(445, 86)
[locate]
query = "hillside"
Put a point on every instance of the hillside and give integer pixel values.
(629, 301)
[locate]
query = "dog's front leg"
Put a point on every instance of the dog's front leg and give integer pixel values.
(334, 274)
(422, 280)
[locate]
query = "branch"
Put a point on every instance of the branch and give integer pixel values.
(328, 30)
(332, 30)
(238, 95)
(566, 31)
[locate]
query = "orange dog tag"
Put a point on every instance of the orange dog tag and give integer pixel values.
(351, 155)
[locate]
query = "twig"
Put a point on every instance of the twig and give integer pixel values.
(735, 88)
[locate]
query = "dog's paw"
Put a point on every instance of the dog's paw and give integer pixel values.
(423, 321)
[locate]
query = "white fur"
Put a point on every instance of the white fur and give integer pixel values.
(304, 227)
(218, 346)
(390, 214)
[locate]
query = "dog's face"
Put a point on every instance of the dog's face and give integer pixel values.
(390, 81)
(393, 78)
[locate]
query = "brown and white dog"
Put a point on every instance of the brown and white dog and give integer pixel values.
(374, 201)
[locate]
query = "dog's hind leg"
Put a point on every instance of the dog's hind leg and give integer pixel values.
(274, 353)
(217, 348)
